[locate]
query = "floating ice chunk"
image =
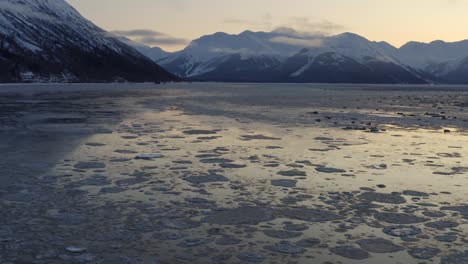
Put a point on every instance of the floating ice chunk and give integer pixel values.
(149, 156)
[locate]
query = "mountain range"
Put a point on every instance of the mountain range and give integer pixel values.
(285, 55)
(48, 40)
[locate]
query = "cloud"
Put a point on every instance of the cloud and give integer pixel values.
(263, 22)
(300, 42)
(151, 37)
(317, 27)
(293, 37)
(231, 51)
(305, 25)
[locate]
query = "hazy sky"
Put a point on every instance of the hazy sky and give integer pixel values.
(171, 23)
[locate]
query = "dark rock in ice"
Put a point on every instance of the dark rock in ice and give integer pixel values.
(206, 156)
(232, 166)
(365, 206)
(111, 190)
(246, 215)
(456, 258)
(379, 245)
(350, 252)
(251, 257)
(90, 165)
(149, 156)
(168, 236)
(216, 160)
(197, 200)
(399, 218)
(281, 234)
(434, 214)
(120, 160)
(309, 242)
(310, 215)
(382, 198)
(258, 137)
(79, 258)
(323, 139)
(193, 242)
(209, 138)
(20, 197)
(182, 162)
(461, 209)
(69, 218)
(125, 151)
(227, 241)
(295, 227)
(286, 247)
(293, 173)
(415, 193)
(284, 183)
(188, 257)
(446, 238)
(206, 179)
(402, 231)
(95, 180)
(95, 144)
(329, 170)
(441, 225)
(131, 181)
(179, 224)
(424, 253)
(199, 132)
(117, 235)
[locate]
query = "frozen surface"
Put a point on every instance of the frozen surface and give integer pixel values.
(233, 173)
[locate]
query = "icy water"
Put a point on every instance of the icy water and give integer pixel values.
(233, 173)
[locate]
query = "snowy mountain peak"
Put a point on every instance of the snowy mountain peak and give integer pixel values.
(44, 38)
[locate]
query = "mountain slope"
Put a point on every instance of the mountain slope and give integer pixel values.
(48, 40)
(235, 68)
(333, 67)
(453, 72)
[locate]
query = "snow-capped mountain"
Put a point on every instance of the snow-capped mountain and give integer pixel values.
(448, 61)
(49, 40)
(285, 55)
(421, 55)
(201, 55)
(453, 71)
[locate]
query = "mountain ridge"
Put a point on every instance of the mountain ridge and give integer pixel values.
(416, 62)
(289, 54)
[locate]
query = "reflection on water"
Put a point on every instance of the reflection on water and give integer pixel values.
(169, 180)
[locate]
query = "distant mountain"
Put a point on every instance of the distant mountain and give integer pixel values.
(448, 61)
(153, 53)
(201, 55)
(333, 67)
(453, 72)
(421, 55)
(288, 56)
(48, 40)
